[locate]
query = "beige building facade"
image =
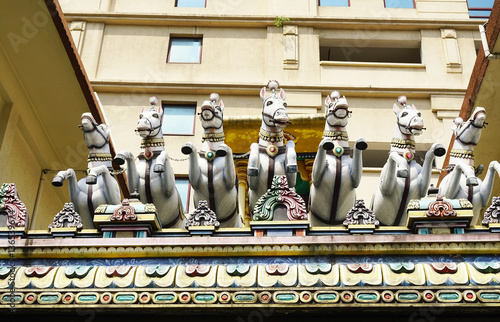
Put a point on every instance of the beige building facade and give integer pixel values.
(369, 52)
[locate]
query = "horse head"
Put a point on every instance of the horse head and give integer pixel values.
(95, 135)
(211, 114)
(337, 110)
(469, 132)
(410, 120)
(150, 120)
(274, 113)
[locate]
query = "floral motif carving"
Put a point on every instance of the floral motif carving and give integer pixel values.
(67, 217)
(402, 267)
(34, 271)
(13, 206)
(203, 216)
(360, 215)
(238, 269)
(197, 270)
(277, 269)
(118, 271)
(441, 208)
(360, 268)
(77, 271)
(487, 267)
(280, 194)
(413, 204)
(157, 270)
(318, 268)
(124, 213)
(491, 214)
(445, 268)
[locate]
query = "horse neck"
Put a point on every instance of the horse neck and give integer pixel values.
(99, 156)
(211, 145)
(152, 141)
(458, 149)
(338, 142)
(274, 131)
(399, 136)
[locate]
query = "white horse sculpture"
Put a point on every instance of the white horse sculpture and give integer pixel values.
(334, 174)
(99, 187)
(270, 156)
(402, 178)
(211, 171)
(461, 180)
(153, 177)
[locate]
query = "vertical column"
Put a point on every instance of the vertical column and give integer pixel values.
(290, 47)
(241, 172)
(451, 51)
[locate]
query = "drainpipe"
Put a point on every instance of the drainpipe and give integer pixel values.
(484, 41)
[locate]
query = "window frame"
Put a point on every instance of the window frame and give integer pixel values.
(385, 5)
(473, 9)
(165, 106)
(348, 5)
(175, 37)
(177, 5)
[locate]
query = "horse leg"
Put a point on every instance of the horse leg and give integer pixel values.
(388, 178)
(253, 167)
(487, 184)
(132, 173)
(424, 177)
(110, 186)
(229, 170)
(291, 164)
(167, 176)
(356, 170)
(194, 166)
(320, 164)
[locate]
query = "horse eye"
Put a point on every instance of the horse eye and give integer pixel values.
(155, 115)
(269, 103)
(404, 114)
(285, 105)
(140, 116)
(419, 114)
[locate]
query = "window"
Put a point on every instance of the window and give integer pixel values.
(334, 3)
(184, 50)
(383, 54)
(178, 119)
(184, 188)
(191, 3)
(400, 4)
(480, 9)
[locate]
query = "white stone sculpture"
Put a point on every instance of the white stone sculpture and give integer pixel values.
(153, 176)
(461, 181)
(335, 175)
(211, 171)
(99, 187)
(271, 156)
(402, 178)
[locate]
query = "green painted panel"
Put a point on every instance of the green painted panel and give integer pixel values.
(125, 297)
(490, 296)
(367, 296)
(87, 298)
(164, 297)
(286, 297)
(408, 296)
(244, 297)
(449, 296)
(49, 298)
(205, 297)
(7, 298)
(327, 297)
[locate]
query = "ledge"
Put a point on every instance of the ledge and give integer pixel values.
(371, 64)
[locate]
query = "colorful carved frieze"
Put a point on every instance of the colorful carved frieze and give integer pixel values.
(75, 276)
(403, 274)
(319, 274)
(277, 275)
(446, 273)
(196, 276)
(35, 277)
(115, 276)
(237, 275)
(155, 276)
(360, 274)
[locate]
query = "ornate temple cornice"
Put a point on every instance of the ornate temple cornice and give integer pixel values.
(253, 246)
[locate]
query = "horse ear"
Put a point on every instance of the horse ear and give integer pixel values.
(328, 101)
(221, 104)
(143, 109)
(263, 93)
(160, 112)
(456, 122)
(282, 94)
(395, 108)
(104, 127)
